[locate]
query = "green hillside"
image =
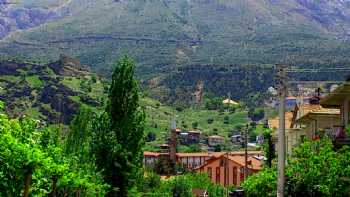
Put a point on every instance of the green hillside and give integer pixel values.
(161, 34)
(159, 117)
(56, 91)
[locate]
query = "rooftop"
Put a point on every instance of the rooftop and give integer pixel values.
(216, 137)
(255, 164)
(274, 122)
(335, 98)
(319, 112)
(229, 101)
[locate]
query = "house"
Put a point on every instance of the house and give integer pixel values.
(164, 148)
(321, 120)
(273, 124)
(229, 102)
(190, 161)
(291, 101)
(293, 133)
(215, 140)
(339, 99)
(237, 139)
(229, 169)
(150, 158)
(306, 120)
(190, 137)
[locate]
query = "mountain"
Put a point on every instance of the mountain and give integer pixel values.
(23, 15)
(163, 33)
(168, 37)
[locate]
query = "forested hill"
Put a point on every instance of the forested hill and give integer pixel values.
(162, 34)
(53, 92)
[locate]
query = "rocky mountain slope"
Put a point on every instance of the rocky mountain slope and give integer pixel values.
(23, 15)
(171, 38)
(52, 92)
(159, 34)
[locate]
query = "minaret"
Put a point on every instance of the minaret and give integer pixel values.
(173, 143)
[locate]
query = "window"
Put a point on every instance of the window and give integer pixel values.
(217, 174)
(234, 174)
(210, 173)
(242, 174)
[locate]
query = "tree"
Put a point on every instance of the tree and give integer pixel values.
(256, 114)
(79, 136)
(32, 163)
(119, 133)
(268, 147)
(181, 188)
(314, 169)
(151, 136)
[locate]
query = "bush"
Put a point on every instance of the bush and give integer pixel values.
(151, 136)
(226, 120)
(184, 184)
(195, 125)
(256, 114)
(210, 120)
(262, 184)
(314, 169)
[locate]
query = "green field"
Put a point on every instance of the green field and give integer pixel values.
(159, 118)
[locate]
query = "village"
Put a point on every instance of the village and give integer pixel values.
(307, 118)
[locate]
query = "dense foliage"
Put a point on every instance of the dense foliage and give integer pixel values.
(118, 132)
(33, 163)
(269, 148)
(180, 186)
(314, 169)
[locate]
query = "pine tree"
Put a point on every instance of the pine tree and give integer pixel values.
(119, 132)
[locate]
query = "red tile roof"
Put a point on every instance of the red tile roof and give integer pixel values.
(255, 164)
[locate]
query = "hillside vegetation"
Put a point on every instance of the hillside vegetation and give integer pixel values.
(55, 92)
(161, 34)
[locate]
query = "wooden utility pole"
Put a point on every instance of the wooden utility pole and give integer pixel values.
(246, 152)
(282, 89)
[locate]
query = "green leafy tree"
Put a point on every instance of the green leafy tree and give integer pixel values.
(184, 184)
(119, 133)
(256, 114)
(268, 147)
(79, 136)
(314, 169)
(181, 188)
(262, 184)
(32, 163)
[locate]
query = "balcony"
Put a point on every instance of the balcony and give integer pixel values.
(339, 137)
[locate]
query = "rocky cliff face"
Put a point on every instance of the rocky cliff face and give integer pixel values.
(332, 15)
(16, 17)
(47, 92)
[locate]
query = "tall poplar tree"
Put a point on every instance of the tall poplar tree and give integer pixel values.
(119, 132)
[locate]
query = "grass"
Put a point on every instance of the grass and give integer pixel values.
(72, 82)
(159, 118)
(34, 81)
(33, 113)
(9, 78)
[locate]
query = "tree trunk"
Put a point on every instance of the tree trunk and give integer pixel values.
(78, 193)
(54, 186)
(28, 180)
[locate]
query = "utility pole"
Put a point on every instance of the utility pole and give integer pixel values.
(246, 152)
(282, 89)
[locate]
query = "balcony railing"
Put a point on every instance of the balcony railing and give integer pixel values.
(339, 137)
